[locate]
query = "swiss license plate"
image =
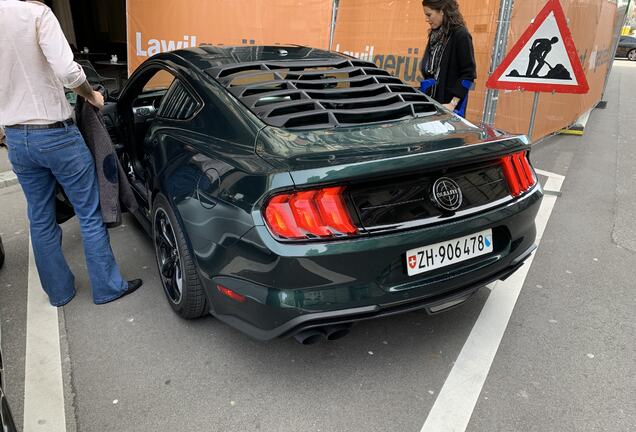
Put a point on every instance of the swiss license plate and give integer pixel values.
(447, 253)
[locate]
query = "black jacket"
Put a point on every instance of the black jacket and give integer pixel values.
(457, 64)
(114, 189)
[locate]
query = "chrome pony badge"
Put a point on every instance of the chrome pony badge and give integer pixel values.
(447, 194)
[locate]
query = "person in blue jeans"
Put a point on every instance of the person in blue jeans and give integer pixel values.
(45, 146)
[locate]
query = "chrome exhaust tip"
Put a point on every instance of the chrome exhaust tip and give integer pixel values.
(309, 337)
(337, 331)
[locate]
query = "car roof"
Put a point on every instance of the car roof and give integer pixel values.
(298, 87)
(219, 55)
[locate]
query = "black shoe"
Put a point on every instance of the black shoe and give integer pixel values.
(132, 287)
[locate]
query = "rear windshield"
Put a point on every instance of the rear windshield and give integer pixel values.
(316, 94)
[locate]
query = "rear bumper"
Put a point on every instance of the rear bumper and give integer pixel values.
(432, 305)
(292, 287)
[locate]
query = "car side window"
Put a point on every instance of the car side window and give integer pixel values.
(148, 100)
(178, 103)
(162, 80)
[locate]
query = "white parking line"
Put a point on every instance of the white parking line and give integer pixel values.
(7, 178)
(456, 401)
(43, 387)
(554, 176)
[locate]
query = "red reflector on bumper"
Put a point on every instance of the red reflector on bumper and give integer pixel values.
(231, 294)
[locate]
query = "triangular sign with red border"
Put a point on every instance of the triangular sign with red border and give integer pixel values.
(544, 59)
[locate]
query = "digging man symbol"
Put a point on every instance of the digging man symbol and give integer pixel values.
(539, 51)
(544, 58)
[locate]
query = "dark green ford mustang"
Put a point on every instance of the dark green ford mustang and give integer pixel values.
(293, 191)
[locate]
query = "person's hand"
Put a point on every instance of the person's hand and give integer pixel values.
(452, 104)
(97, 100)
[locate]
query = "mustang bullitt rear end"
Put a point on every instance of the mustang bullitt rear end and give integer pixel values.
(330, 191)
(393, 205)
(425, 236)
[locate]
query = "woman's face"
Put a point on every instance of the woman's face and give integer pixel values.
(434, 17)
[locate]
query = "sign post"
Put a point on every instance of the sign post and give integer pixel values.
(544, 59)
(533, 116)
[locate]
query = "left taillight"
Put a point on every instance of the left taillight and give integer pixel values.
(518, 172)
(318, 213)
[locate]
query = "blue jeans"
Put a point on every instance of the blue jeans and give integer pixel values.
(40, 157)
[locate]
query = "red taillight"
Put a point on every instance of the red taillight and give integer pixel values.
(304, 207)
(528, 170)
(333, 211)
(280, 218)
(511, 176)
(231, 294)
(316, 213)
(518, 173)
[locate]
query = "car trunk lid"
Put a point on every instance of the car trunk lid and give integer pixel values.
(389, 170)
(334, 155)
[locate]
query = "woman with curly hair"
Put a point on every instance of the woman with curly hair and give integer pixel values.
(449, 57)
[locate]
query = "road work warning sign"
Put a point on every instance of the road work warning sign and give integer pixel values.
(544, 59)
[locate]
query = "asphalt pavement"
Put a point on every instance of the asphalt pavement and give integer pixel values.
(565, 363)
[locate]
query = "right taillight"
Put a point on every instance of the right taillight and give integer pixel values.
(518, 173)
(318, 213)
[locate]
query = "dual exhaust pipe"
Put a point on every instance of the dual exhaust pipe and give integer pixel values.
(316, 334)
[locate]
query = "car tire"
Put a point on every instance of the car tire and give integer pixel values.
(177, 269)
(632, 55)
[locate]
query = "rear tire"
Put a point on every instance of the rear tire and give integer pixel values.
(632, 55)
(177, 269)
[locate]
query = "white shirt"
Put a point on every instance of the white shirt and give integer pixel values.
(36, 63)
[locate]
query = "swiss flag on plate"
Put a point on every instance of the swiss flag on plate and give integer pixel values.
(412, 261)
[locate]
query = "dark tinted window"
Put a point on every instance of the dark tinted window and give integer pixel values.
(311, 94)
(178, 103)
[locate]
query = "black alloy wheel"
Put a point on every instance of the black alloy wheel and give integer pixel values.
(168, 257)
(174, 261)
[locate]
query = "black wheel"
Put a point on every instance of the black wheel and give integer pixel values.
(632, 55)
(174, 261)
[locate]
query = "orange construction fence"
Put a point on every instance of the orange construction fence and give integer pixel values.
(394, 35)
(163, 25)
(391, 33)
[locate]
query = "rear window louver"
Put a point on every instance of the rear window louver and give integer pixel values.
(179, 104)
(312, 94)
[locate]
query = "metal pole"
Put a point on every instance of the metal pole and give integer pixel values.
(535, 106)
(614, 48)
(334, 12)
(498, 53)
